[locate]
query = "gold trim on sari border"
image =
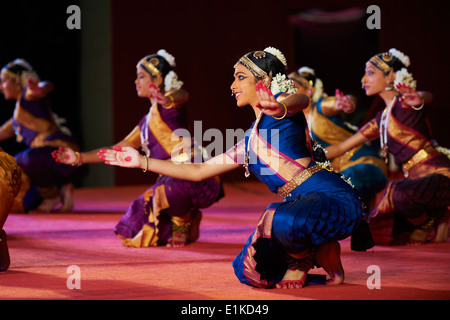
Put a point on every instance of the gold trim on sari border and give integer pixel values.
(156, 201)
(39, 141)
(264, 230)
(163, 134)
(327, 130)
(341, 166)
(370, 130)
(386, 203)
(424, 170)
(134, 137)
(422, 155)
(43, 128)
(284, 167)
(27, 119)
(181, 221)
(401, 133)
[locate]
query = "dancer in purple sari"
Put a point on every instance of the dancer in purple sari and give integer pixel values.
(420, 203)
(45, 183)
(168, 213)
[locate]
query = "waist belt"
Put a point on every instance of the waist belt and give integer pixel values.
(285, 190)
(417, 158)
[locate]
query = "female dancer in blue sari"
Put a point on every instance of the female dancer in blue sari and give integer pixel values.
(316, 209)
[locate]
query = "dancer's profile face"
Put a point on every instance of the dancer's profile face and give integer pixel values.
(9, 87)
(142, 82)
(374, 80)
(243, 87)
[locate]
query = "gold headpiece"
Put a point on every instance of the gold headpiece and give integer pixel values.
(150, 66)
(10, 74)
(380, 62)
(300, 80)
(257, 71)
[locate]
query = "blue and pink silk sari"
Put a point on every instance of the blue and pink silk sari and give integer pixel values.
(324, 208)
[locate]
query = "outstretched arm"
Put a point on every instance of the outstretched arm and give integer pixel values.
(71, 157)
(130, 158)
(339, 149)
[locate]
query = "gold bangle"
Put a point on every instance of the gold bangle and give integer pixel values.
(146, 165)
(285, 112)
(418, 108)
(172, 103)
(76, 163)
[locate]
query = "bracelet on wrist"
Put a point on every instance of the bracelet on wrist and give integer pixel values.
(420, 107)
(285, 112)
(172, 104)
(79, 161)
(146, 164)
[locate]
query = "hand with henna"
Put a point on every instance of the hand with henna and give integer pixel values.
(38, 90)
(410, 98)
(267, 102)
(343, 102)
(156, 95)
(126, 157)
(65, 156)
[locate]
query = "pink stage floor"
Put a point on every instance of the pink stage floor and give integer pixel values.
(44, 246)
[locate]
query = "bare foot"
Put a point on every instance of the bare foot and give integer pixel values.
(293, 279)
(442, 228)
(419, 237)
(424, 233)
(47, 205)
(178, 240)
(328, 256)
(194, 228)
(66, 198)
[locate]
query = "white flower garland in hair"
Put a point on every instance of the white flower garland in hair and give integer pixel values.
(281, 84)
(403, 76)
(307, 70)
(318, 91)
(171, 81)
(169, 58)
(26, 75)
(277, 53)
(29, 73)
(401, 56)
